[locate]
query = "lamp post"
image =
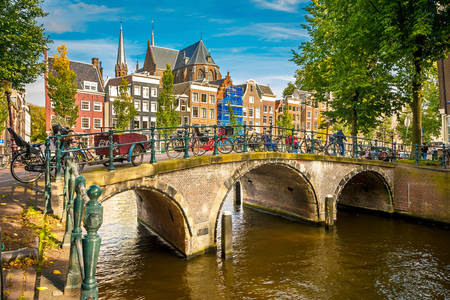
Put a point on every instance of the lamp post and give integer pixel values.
(11, 121)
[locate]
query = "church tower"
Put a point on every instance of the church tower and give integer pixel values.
(121, 65)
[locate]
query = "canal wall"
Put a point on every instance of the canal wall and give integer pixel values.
(422, 193)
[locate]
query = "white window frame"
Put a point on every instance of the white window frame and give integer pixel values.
(113, 90)
(251, 113)
(145, 119)
(138, 89)
(212, 99)
(89, 123)
(138, 102)
(212, 113)
(193, 110)
(90, 85)
(146, 92)
(101, 123)
(195, 97)
(137, 119)
(203, 109)
(206, 98)
(251, 99)
(257, 113)
(153, 106)
(154, 92)
(308, 114)
(88, 104)
(145, 104)
(99, 104)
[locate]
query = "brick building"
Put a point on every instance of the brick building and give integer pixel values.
(90, 98)
(444, 93)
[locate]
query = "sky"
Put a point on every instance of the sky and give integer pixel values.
(252, 39)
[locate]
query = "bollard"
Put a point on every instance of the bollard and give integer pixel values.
(93, 218)
(237, 193)
(111, 149)
(152, 145)
(186, 141)
(48, 184)
(329, 212)
(227, 231)
(76, 272)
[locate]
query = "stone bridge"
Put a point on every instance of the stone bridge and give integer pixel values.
(181, 199)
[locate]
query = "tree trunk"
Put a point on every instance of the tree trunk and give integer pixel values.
(416, 105)
(355, 115)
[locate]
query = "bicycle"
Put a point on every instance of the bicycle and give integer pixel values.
(202, 143)
(254, 143)
(175, 146)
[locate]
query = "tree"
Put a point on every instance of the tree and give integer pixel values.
(285, 121)
(289, 90)
(234, 121)
(123, 106)
(3, 109)
(23, 41)
(37, 114)
(415, 34)
(61, 88)
(166, 116)
(342, 58)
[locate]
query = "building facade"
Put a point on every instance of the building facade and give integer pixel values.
(90, 98)
(20, 113)
(444, 93)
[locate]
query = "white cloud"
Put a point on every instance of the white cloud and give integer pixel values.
(66, 16)
(166, 10)
(280, 5)
(268, 31)
(35, 93)
(221, 21)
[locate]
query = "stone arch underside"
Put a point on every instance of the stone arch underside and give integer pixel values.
(366, 189)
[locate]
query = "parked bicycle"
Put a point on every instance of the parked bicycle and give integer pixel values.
(175, 146)
(202, 143)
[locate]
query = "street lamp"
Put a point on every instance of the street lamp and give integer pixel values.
(11, 121)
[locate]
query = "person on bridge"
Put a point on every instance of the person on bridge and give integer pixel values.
(424, 151)
(340, 138)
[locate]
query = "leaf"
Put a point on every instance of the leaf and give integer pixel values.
(42, 288)
(56, 272)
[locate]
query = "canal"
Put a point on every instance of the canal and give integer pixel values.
(366, 256)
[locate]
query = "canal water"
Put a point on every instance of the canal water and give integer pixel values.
(365, 257)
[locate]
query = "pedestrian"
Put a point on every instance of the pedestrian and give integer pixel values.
(340, 138)
(424, 151)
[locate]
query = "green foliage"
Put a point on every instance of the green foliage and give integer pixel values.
(62, 88)
(342, 58)
(166, 116)
(289, 90)
(285, 121)
(23, 41)
(431, 122)
(123, 106)
(415, 34)
(37, 114)
(234, 122)
(3, 109)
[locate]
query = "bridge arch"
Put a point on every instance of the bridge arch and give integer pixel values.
(365, 188)
(295, 195)
(160, 208)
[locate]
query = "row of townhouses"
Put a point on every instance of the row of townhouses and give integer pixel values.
(199, 90)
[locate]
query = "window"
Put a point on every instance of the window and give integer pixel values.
(204, 99)
(316, 126)
(308, 114)
(212, 99)
(137, 90)
(316, 115)
(154, 92)
(271, 109)
(137, 105)
(114, 122)
(308, 125)
(153, 107)
(85, 123)
(145, 122)
(97, 106)
(203, 113)
(145, 92)
(194, 97)
(186, 120)
(145, 106)
(250, 112)
(251, 99)
(113, 90)
(251, 88)
(85, 105)
(136, 122)
(90, 86)
(265, 108)
(212, 114)
(290, 108)
(112, 109)
(183, 107)
(264, 119)
(270, 119)
(97, 123)
(195, 112)
(244, 111)
(257, 113)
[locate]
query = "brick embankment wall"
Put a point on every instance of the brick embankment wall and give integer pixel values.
(422, 193)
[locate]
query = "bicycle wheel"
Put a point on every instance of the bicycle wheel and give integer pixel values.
(174, 148)
(137, 156)
(81, 159)
(198, 147)
(238, 145)
(303, 148)
(27, 167)
(225, 145)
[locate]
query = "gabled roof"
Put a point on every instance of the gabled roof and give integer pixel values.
(264, 90)
(161, 56)
(84, 71)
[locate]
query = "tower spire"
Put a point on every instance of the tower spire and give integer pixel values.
(153, 33)
(121, 65)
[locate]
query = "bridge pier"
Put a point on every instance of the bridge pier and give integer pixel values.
(329, 212)
(227, 231)
(238, 193)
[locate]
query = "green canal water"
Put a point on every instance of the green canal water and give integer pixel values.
(365, 257)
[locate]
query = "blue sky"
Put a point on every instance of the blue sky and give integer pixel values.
(251, 39)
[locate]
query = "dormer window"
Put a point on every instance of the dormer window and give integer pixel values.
(90, 86)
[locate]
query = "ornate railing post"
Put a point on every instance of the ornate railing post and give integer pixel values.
(334, 147)
(93, 218)
(312, 141)
(48, 184)
(111, 151)
(444, 156)
(186, 141)
(66, 186)
(215, 140)
(245, 138)
(291, 141)
(76, 272)
(394, 151)
(69, 205)
(152, 145)
(417, 154)
(355, 147)
(271, 138)
(58, 156)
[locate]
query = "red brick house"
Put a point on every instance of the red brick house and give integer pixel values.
(90, 98)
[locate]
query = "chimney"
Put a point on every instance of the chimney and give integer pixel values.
(98, 67)
(137, 65)
(95, 61)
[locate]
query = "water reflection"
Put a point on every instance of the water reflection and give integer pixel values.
(366, 256)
